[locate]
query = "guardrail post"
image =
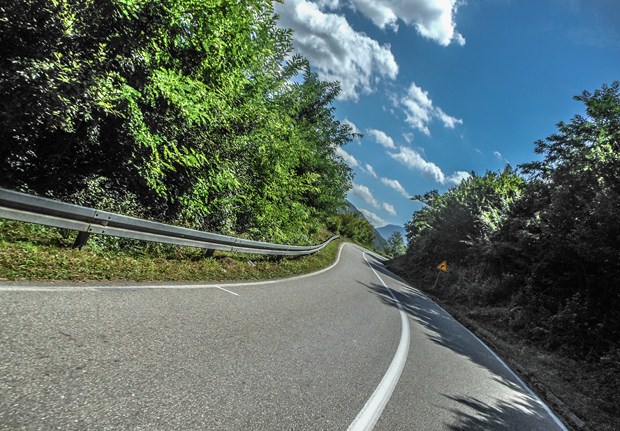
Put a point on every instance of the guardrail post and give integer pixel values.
(81, 239)
(210, 252)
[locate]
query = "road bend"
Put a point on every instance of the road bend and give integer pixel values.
(352, 347)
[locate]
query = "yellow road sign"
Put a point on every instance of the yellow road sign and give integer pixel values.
(443, 266)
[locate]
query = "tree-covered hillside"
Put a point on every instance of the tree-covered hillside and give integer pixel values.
(543, 242)
(192, 112)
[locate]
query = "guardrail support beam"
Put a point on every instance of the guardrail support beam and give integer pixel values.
(81, 239)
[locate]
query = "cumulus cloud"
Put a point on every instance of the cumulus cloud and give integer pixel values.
(352, 125)
(373, 218)
(328, 4)
(338, 52)
(389, 208)
(414, 161)
(433, 19)
(382, 138)
(348, 158)
(396, 185)
(457, 177)
(420, 111)
(371, 170)
(364, 193)
(447, 120)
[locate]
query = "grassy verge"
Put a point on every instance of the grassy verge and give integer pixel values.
(36, 253)
(581, 392)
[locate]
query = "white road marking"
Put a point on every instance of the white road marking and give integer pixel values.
(226, 290)
(370, 413)
(91, 287)
(18, 288)
(296, 277)
(512, 373)
(96, 288)
(515, 376)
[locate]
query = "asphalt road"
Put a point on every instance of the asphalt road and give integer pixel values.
(328, 351)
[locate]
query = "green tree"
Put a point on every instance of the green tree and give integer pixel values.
(547, 245)
(563, 232)
(395, 245)
(187, 105)
(354, 227)
(459, 224)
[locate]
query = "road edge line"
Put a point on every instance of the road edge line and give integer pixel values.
(60, 287)
(524, 385)
(294, 277)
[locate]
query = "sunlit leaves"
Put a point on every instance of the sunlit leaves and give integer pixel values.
(188, 105)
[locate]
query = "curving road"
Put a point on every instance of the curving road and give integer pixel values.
(350, 347)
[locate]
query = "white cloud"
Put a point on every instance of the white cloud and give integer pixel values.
(414, 161)
(373, 218)
(328, 4)
(338, 52)
(364, 193)
(433, 19)
(457, 177)
(348, 158)
(382, 138)
(498, 155)
(448, 121)
(352, 125)
(396, 185)
(371, 170)
(389, 208)
(420, 111)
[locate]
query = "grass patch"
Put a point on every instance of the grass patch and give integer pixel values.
(38, 253)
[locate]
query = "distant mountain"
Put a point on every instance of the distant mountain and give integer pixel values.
(387, 231)
(351, 209)
(379, 241)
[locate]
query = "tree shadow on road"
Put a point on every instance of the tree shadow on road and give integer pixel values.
(474, 414)
(439, 326)
(443, 330)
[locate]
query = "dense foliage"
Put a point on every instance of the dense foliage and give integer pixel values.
(395, 245)
(194, 110)
(353, 226)
(545, 245)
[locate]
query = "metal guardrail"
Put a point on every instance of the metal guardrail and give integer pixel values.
(49, 212)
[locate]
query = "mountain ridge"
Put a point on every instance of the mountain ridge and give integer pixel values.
(388, 230)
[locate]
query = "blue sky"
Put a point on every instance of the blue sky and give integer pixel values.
(440, 88)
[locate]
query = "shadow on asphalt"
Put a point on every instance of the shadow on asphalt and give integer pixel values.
(443, 330)
(501, 416)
